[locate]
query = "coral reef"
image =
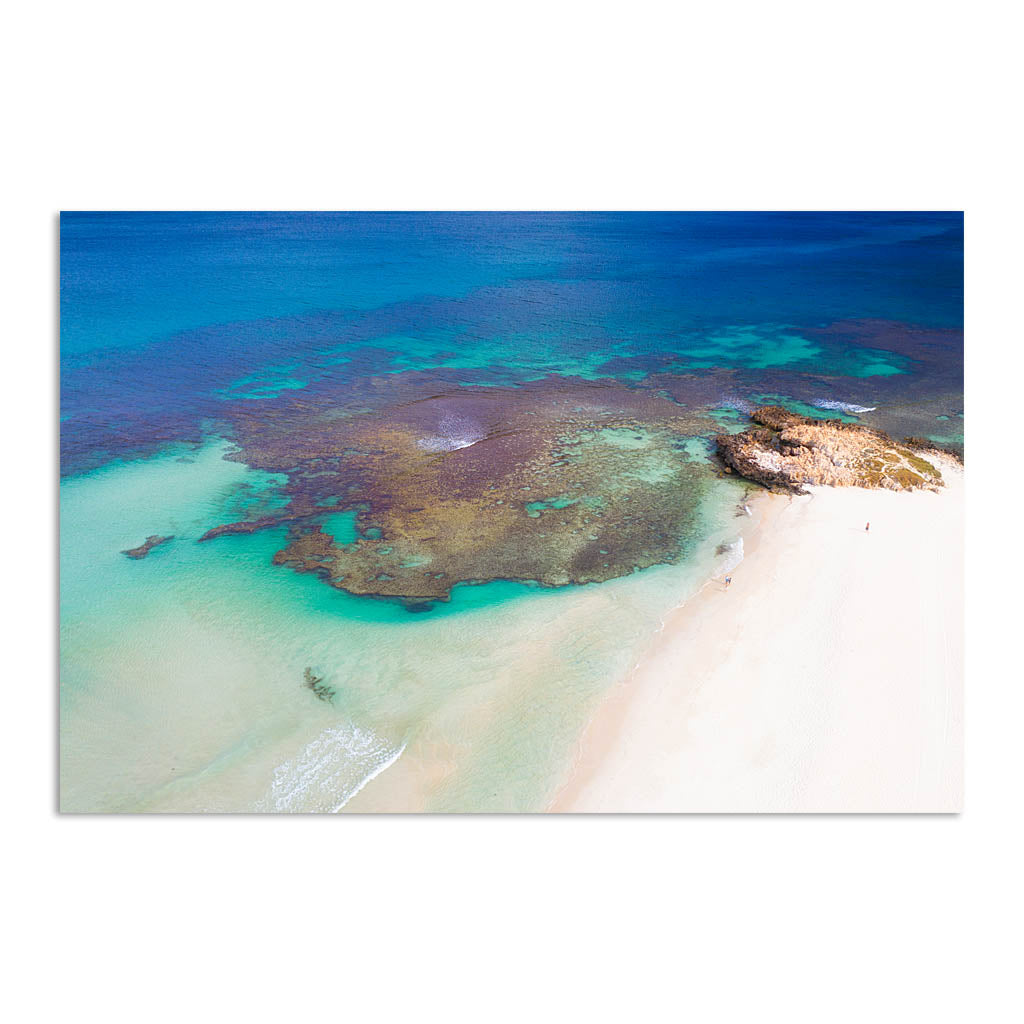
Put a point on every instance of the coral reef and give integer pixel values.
(553, 483)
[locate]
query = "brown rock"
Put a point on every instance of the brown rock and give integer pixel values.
(798, 450)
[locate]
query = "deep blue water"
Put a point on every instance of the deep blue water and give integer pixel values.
(128, 278)
(165, 315)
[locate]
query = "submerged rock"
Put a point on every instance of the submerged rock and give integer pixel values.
(318, 686)
(787, 451)
(144, 549)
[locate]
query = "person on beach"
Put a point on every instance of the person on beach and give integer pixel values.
(867, 527)
(728, 580)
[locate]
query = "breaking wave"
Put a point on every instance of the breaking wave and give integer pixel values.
(830, 403)
(455, 432)
(739, 404)
(330, 770)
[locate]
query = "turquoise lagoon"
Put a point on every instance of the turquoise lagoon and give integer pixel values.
(182, 673)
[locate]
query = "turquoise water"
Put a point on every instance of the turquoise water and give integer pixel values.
(184, 673)
(342, 526)
(803, 408)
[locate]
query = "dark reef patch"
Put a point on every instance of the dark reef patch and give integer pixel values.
(319, 688)
(144, 549)
(558, 481)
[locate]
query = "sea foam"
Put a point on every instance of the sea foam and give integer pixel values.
(455, 432)
(330, 770)
(831, 403)
(739, 404)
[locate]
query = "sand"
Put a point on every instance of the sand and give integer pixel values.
(827, 677)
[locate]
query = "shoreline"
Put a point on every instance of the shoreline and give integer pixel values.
(845, 694)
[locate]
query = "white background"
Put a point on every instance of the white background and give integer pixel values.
(527, 105)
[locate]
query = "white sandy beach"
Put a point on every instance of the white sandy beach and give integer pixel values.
(827, 677)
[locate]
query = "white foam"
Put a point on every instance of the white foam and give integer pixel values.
(330, 770)
(830, 403)
(456, 432)
(739, 404)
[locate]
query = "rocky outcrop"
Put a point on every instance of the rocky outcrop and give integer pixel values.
(786, 452)
(144, 548)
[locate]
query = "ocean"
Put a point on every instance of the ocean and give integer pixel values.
(429, 483)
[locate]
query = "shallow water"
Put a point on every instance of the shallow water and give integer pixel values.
(182, 673)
